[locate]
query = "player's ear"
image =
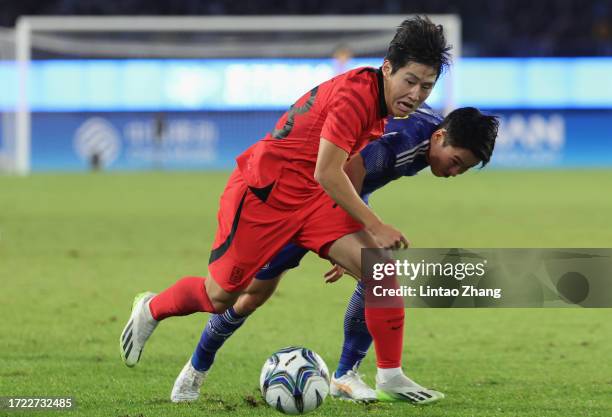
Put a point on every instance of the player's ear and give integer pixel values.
(439, 136)
(387, 68)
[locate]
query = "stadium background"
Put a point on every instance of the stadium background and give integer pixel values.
(75, 246)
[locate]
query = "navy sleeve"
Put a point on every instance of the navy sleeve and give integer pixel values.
(378, 157)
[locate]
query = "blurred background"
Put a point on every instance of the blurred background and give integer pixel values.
(491, 28)
(193, 90)
(162, 96)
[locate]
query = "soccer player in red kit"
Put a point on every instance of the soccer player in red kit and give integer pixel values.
(291, 187)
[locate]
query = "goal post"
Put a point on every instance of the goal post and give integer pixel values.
(68, 35)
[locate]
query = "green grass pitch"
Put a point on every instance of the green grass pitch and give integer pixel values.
(76, 248)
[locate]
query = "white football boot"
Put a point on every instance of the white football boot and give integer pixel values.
(187, 385)
(138, 329)
(402, 388)
(351, 387)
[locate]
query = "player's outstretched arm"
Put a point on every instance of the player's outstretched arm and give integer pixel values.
(329, 172)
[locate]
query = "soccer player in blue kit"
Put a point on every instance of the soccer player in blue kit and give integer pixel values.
(451, 146)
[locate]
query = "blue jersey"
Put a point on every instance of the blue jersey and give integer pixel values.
(400, 152)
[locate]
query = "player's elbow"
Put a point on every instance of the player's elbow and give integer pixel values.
(319, 176)
(323, 177)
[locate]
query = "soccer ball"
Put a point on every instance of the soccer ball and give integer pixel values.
(294, 380)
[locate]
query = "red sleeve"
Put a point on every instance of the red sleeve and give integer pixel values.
(349, 114)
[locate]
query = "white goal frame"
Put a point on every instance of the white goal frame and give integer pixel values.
(27, 26)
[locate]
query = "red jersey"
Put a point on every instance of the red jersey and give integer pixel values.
(349, 110)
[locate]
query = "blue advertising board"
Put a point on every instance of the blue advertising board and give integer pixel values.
(201, 113)
(273, 84)
(133, 141)
(554, 139)
(212, 140)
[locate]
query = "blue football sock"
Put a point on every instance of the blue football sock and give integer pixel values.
(357, 338)
(218, 329)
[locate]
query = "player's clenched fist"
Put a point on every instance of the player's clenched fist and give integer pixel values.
(388, 237)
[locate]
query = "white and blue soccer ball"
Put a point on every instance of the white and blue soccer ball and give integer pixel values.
(294, 380)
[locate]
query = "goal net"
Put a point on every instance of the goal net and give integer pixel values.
(173, 92)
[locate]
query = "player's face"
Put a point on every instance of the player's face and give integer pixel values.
(446, 160)
(408, 87)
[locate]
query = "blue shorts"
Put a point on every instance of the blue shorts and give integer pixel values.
(289, 257)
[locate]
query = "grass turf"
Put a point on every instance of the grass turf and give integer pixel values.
(75, 249)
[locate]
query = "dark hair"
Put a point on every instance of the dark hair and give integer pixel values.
(468, 128)
(418, 40)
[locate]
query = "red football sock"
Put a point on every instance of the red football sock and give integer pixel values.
(186, 296)
(386, 325)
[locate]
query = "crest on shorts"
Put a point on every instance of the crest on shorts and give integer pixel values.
(236, 275)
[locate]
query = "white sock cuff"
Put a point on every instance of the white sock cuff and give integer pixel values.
(385, 374)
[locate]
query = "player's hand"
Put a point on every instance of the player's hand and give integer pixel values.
(388, 237)
(334, 274)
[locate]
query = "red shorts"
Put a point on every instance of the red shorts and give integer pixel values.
(250, 232)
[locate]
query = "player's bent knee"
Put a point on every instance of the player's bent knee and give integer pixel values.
(255, 296)
(220, 306)
(247, 304)
(220, 299)
(259, 299)
(346, 252)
